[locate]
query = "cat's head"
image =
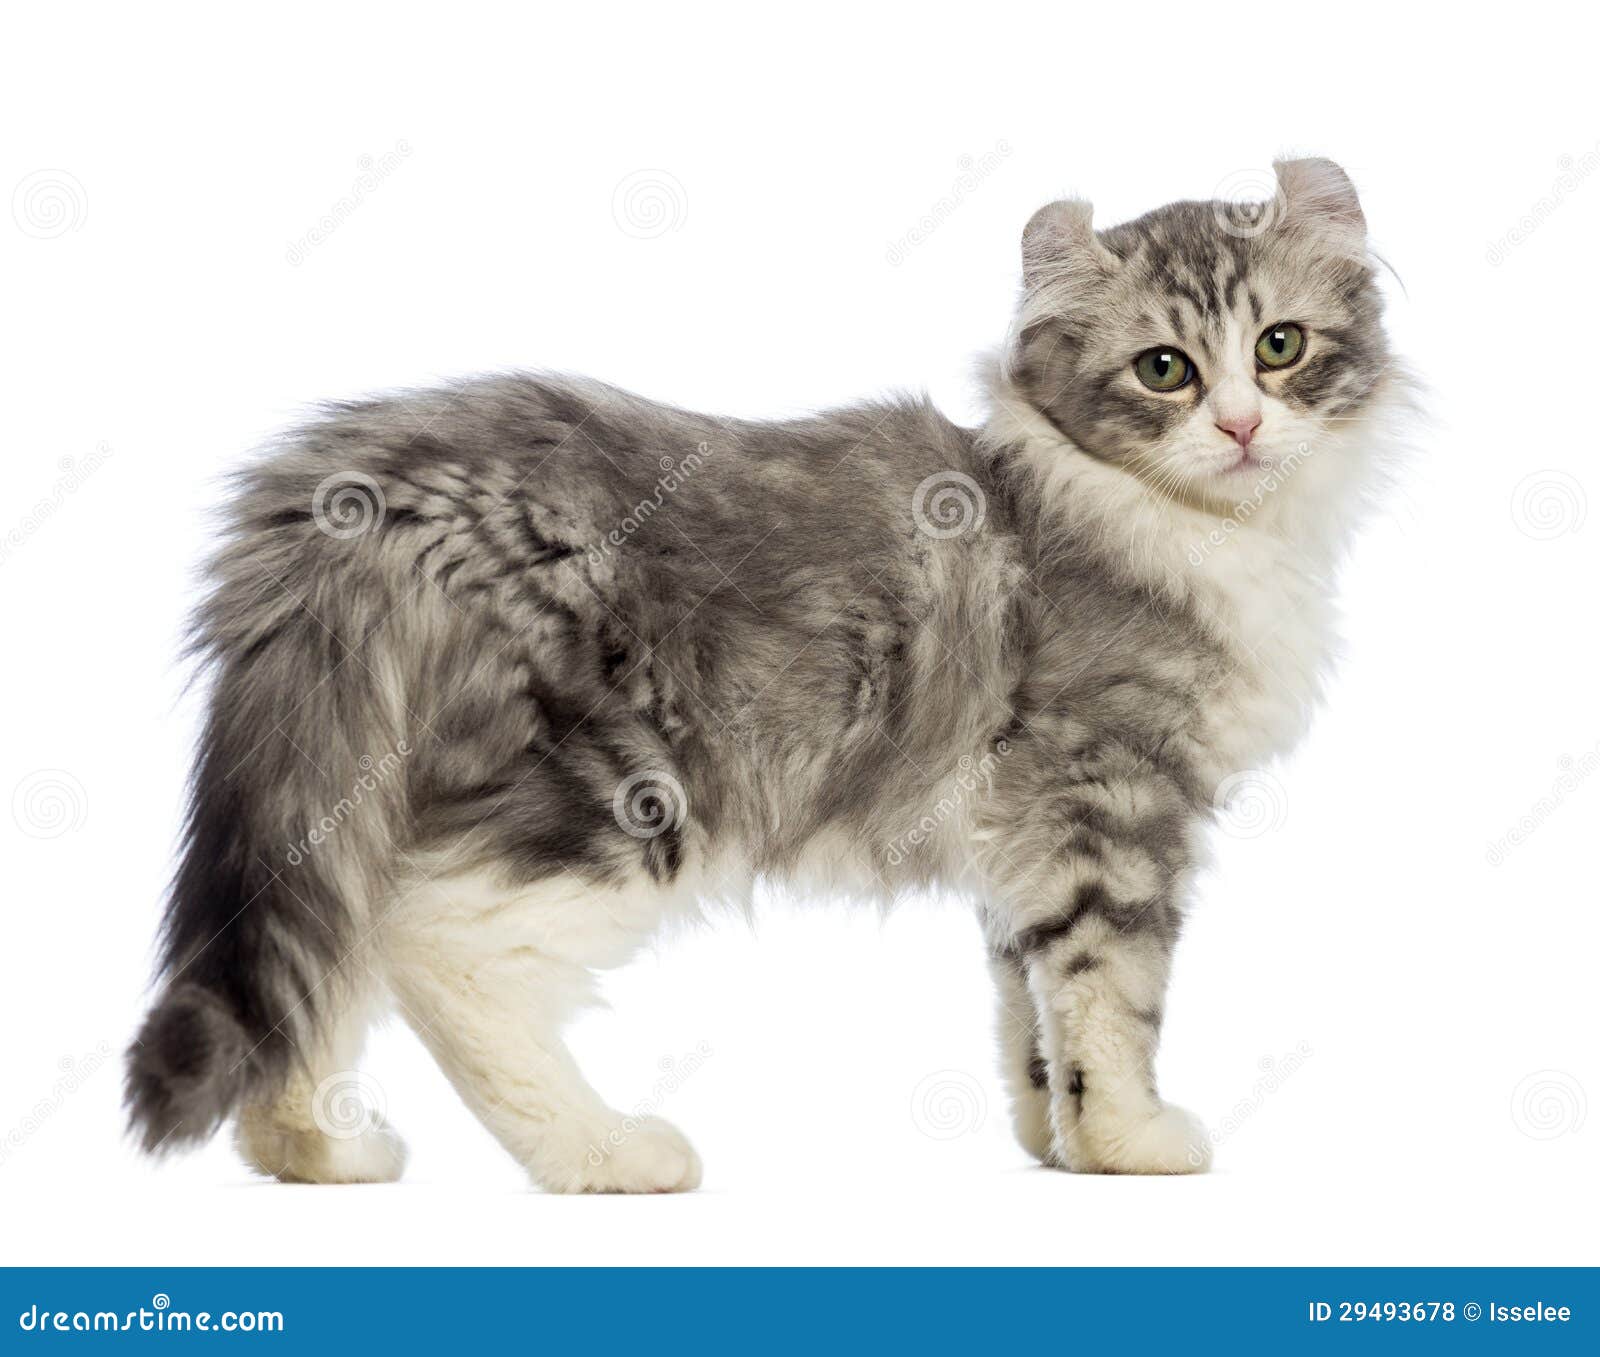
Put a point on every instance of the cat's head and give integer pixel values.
(1205, 343)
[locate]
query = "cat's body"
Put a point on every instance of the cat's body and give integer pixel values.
(509, 674)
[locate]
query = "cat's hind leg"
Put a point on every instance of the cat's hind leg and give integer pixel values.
(488, 973)
(326, 1124)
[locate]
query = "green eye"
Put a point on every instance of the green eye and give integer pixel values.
(1280, 346)
(1163, 369)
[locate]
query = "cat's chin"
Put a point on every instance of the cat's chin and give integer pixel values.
(1210, 490)
(1220, 486)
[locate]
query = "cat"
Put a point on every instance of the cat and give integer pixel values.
(506, 675)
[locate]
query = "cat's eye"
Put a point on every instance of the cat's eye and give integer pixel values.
(1281, 346)
(1163, 369)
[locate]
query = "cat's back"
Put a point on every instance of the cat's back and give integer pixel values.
(587, 451)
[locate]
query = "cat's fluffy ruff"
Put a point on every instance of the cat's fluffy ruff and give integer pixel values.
(507, 673)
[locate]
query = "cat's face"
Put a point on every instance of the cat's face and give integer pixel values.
(1200, 347)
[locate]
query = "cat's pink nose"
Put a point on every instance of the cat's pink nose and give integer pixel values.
(1241, 428)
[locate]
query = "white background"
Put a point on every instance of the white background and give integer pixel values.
(1392, 1034)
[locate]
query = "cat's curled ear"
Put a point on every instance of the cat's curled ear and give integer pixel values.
(1316, 193)
(1059, 245)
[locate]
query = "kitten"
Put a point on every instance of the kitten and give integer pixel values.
(506, 675)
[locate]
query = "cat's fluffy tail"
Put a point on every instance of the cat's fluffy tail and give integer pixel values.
(296, 798)
(187, 1068)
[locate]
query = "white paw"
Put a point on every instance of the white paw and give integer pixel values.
(1171, 1141)
(306, 1154)
(644, 1154)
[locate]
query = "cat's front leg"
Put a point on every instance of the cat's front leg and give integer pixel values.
(1088, 937)
(1099, 988)
(1023, 1065)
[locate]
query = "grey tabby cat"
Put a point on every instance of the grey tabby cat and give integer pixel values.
(507, 674)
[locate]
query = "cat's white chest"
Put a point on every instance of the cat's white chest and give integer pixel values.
(1275, 625)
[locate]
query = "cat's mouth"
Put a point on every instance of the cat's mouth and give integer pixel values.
(1246, 463)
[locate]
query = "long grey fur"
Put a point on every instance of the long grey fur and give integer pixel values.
(541, 589)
